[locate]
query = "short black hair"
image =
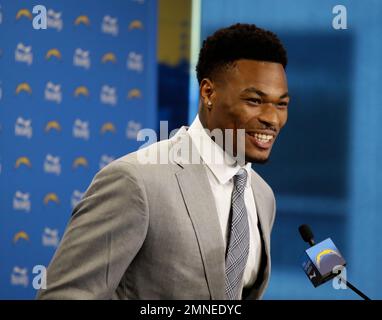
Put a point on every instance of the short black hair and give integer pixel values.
(238, 41)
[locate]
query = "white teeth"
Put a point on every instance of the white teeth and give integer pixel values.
(262, 137)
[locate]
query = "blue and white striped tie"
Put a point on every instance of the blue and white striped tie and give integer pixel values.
(238, 244)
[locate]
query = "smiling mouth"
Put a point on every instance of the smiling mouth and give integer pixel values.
(261, 140)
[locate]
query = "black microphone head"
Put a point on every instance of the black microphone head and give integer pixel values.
(306, 233)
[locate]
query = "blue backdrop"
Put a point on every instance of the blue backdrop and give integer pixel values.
(324, 168)
(72, 98)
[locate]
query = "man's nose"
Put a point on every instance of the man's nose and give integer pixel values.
(269, 115)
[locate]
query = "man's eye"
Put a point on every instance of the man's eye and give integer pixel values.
(283, 104)
(254, 101)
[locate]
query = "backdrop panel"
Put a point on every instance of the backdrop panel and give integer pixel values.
(72, 98)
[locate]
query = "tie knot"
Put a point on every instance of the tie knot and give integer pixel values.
(240, 179)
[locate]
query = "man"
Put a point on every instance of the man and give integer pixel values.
(186, 230)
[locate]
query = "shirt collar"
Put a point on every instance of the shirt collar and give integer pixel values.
(218, 161)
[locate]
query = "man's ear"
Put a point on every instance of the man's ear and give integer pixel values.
(207, 93)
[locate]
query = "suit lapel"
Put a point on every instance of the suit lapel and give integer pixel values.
(262, 213)
(198, 198)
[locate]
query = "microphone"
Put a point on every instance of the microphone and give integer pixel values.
(306, 234)
(323, 261)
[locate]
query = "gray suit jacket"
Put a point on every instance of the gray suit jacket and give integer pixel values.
(151, 231)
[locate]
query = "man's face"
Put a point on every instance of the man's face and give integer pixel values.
(250, 95)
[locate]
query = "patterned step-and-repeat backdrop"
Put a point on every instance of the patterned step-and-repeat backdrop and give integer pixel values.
(72, 98)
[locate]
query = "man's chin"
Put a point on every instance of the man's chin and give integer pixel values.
(260, 159)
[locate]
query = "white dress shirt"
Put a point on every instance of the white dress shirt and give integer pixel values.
(220, 174)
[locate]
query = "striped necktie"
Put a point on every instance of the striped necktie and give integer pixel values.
(238, 243)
